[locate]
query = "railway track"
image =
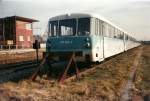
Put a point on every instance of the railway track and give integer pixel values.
(26, 68)
(14, 72)
(21, 70)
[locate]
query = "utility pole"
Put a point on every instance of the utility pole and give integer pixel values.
(36, 46)
(3, 30)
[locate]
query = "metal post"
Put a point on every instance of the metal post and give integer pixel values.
(72, 61)
(37, 54)
(1, 47)
(37, 50)
(33, 77)
(9, 47)
(76, 27)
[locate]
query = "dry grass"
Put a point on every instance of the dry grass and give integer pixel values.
(142, 81)
(106, 80)
(103, 83)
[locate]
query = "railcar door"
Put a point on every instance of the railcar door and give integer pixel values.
(99, 32)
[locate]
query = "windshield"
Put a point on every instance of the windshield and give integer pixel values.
(53, 28)
(67, 27)
(70, 27)
(83, 26)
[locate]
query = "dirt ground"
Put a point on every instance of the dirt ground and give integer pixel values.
(102, 83)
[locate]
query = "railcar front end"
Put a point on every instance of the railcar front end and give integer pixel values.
(68, 36)
(62, 47)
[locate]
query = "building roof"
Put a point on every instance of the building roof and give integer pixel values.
(25, 19)
(21, 18)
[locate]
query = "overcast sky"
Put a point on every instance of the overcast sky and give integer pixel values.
(131, 15)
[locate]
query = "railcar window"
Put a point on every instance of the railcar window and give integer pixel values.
(127, 37)
(110, 34)
(109, 30)
(67, 27)
(83, 26)
(116, 33)
(113, 30)
(121, 35)
(53, 28)
(98, 26)
(106, 30)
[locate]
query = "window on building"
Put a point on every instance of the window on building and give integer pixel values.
(29, 38)
(29, 26)
(21, 38)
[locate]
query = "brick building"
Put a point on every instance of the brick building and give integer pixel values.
(16, 31)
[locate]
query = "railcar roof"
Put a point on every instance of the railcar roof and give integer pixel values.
(83, 15)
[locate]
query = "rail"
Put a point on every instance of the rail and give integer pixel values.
(15, 72)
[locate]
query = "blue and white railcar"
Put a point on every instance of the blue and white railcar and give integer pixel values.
(90, 37)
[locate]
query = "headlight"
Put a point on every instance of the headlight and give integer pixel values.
(87, 39)
(88, 45)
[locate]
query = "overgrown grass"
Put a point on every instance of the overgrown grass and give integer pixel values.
(143, 73)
